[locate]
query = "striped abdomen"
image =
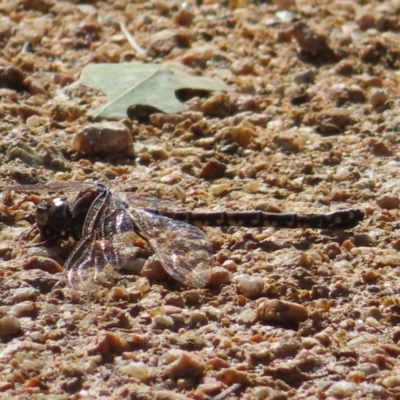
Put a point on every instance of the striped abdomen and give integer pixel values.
(340, 219)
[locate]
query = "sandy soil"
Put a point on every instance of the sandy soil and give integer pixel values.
(310, 126)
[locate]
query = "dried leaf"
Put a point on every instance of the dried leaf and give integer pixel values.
(152, 85)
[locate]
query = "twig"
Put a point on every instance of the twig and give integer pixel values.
(227, 392)
(131, 40)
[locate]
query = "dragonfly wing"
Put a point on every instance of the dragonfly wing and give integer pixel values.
(184, 250)
(91, 263)
(146, 202)
(49, 187)
(95, 258)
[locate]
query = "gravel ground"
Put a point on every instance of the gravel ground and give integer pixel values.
(309, 126)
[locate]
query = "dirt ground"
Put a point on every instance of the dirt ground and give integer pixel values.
(310, 126)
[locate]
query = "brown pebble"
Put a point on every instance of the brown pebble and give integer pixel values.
(187, 365)
(25, 111)
(102, 138)
(370, 275)
(242, 67)
(220, 276)
(217, 105)
(118, 293)
(231, 376)
(366, 21)
(333, 120)
(210, 386)
(42, 263)
(72, 370)
(311, 42)
(213, 169)
(289, 141)
(9, 325)
(388, 202)
(281, 311)
(12, 78)
(242, 134)
(67, 112)
(183, 17)
(108, 343)
(377, 147)
(217, 363)
(153, 269)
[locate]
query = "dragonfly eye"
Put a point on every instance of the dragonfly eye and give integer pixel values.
(53, 217)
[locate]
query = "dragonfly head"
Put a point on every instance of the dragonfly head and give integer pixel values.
(52, 218)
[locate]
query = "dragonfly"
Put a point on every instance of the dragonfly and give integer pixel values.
(99, 218)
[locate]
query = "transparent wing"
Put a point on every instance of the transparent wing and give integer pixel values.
(95, 259)
(183, 250)
(146, 202)
(91, 263)
(50, 187)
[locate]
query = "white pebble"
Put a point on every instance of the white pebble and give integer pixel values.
(163, 321)
(138, 370)
(219, 189)
(23, 309)
(342, 174)
(378, 97)
(249, 286)
(361, 340)
(368, 368)
(24, 294)
(343, 389)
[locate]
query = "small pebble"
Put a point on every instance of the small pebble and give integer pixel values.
(24, 294)
(12, 78)
(360, 341)
(67, 112)
(138, 370)
(103, 138)
(198, 317)
(333, 120)
(286, 348)
(187, 365)
(24, 309)
(388, 202)
(216, 106)
(212, 169)
(108, 343)
(281, 311)
(365, 21)
(243, 133)
(153, 269)
(306, 76)
(220, 276)
(163, 321)
(248, 316)
(391, 382)
(219, 189)
(378, 97)
(284, 4)
(72, 370)
(210, 386)
(249, 286)
(343, 389)
(42, 263)
(9, 325)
